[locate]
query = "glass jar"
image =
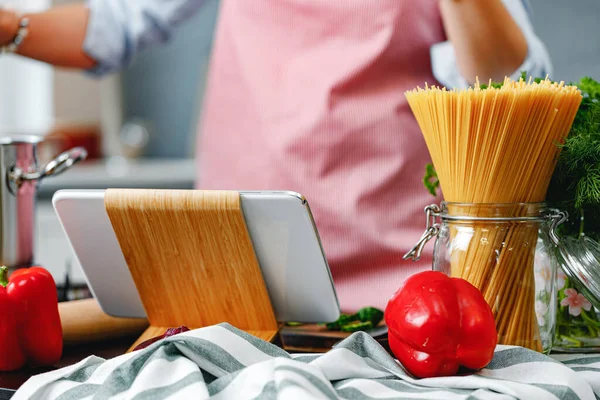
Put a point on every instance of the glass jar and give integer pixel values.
(494, 247)
(578, 294)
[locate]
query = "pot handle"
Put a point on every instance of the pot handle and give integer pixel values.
(64, 161)
(57, 166)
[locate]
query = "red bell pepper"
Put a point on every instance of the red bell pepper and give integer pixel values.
(437, 324)
(30, 327)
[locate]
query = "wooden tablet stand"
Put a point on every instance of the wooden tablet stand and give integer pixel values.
(192, 260)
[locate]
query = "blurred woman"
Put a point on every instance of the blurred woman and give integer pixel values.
(308, 95)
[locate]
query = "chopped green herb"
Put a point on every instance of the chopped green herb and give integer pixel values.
(357, 326)
(430, 180)
(342, 320)
(370, 314)
(365, 318)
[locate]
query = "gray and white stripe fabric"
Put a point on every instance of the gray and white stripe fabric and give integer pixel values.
(222, 362)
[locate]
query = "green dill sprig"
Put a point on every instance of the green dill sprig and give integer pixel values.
(575, 185)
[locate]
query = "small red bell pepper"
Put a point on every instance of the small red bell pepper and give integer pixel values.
(30, 326)
(438, 324)
(168, 333)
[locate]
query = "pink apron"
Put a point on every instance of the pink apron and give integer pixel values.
(308, 96)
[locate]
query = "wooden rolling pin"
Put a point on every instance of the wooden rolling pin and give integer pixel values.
(83, 321)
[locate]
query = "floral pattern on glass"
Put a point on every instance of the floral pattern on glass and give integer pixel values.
(575, 301)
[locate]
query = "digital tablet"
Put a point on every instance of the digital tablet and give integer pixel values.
(281, 229)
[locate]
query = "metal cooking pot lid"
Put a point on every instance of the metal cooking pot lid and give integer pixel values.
(21, 139)
(582, 265)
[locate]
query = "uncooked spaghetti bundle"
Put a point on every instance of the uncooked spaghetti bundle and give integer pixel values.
(498, 145)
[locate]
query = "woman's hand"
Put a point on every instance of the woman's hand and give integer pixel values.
(9, 25)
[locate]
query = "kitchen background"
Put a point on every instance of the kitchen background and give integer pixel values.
(148, 114)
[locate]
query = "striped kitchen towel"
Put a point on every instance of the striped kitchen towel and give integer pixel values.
(221, 362)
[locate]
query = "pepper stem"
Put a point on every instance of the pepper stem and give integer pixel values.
(3, 276)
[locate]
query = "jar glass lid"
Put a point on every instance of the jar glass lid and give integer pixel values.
(581, 263)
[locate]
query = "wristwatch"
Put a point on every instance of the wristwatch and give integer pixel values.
(19, 37)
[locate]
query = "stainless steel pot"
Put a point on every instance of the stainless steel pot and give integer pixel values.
(20, 176)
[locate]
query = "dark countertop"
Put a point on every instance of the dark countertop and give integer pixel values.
(71, 355)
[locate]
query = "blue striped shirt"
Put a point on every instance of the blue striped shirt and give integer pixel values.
(118, 29)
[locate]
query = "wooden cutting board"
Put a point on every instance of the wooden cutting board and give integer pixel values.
(315, 338)
(84, 322)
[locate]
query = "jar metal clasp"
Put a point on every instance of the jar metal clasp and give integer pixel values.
(433, 228)
(558, 218)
